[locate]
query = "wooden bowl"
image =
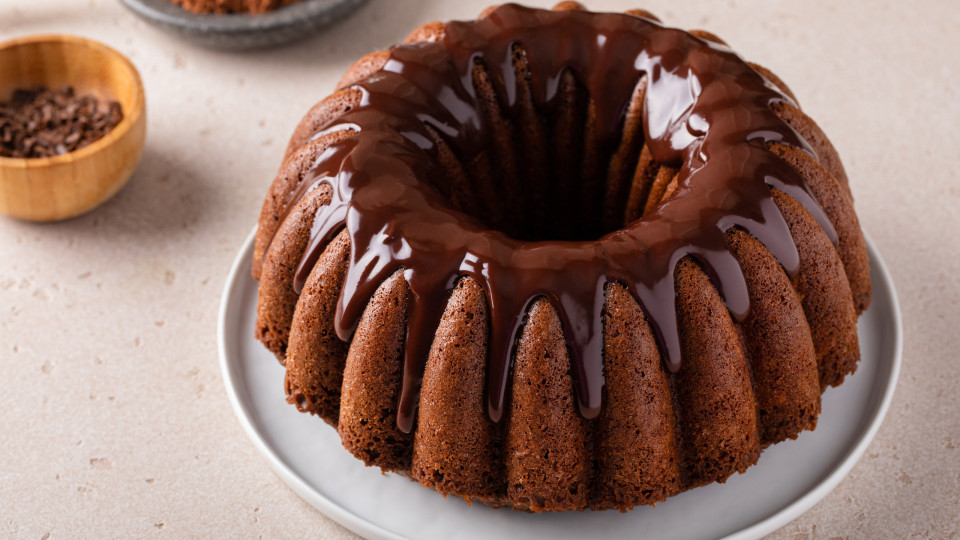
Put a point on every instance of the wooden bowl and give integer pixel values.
(60, 187)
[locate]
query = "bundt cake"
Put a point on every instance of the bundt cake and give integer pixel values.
(558, 260)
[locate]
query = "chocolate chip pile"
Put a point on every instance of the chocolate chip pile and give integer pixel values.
(45, 123)
(222, 7)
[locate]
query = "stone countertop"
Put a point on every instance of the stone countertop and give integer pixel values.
(115, 419)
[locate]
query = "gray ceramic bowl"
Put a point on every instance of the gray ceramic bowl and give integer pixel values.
(240, 32)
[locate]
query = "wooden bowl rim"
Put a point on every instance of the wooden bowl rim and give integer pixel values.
(130, 118)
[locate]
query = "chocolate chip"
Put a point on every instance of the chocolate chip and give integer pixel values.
(44, 123)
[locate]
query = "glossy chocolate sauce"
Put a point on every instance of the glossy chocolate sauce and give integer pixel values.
(704, 107)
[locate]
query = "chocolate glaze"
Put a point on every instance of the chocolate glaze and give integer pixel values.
(704, 107)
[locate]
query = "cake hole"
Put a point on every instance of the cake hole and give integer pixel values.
(544, 174)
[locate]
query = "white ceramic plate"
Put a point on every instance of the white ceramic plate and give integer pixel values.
(789, 478)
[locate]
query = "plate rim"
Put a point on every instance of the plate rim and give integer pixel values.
(367, 529)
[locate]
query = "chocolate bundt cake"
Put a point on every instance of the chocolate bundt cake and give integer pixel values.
(558, 260)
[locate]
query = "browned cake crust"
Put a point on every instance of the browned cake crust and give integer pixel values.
(316, 356)
(742, 385)
(371, 382)
(638, 461)
(456, 447)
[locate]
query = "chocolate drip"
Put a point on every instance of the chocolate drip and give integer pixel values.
(704, 107)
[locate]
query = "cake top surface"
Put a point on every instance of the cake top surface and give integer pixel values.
(704, 110)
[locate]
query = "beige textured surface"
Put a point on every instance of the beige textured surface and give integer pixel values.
(115, 421)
